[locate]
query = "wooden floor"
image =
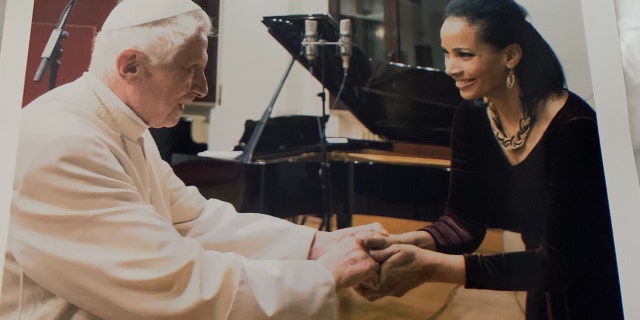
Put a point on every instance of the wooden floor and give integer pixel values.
(434, 300)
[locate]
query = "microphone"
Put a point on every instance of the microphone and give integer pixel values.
(346, 43)
(310, 35)
(49, 52)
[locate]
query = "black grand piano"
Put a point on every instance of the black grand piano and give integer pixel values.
(294, 170)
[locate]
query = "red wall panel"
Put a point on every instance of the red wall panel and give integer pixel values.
(84, 20)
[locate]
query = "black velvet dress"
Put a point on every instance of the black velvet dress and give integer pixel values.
(556, 198)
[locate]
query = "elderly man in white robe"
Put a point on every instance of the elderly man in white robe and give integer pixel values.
(101, 227)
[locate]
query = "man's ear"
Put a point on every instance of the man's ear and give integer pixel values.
(128, 64)
(513, 54)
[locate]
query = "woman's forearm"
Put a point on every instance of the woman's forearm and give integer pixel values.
(445, 267)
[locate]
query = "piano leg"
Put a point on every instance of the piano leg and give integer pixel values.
(344, 218)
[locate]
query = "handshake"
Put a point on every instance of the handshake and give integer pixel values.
(377, 264)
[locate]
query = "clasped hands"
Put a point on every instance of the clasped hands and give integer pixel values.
(377, 264)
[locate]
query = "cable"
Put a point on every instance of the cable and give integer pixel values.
(522, 308)
(444, 306)
(344, 79)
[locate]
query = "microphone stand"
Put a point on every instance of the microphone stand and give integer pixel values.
(325, 165)
(53, 49)
(325, 172)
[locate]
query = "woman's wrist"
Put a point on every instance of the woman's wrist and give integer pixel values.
(446, 268)
(420, 239)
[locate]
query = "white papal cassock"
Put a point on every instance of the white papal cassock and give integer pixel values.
(96, 233)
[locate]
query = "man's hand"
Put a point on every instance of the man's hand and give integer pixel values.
(325, 241)
(342, 253)
(350, 264)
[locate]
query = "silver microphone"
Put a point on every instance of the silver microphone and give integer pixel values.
(310, 35)
(346, 42)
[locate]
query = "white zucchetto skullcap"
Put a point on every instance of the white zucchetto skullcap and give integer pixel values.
(129, 13)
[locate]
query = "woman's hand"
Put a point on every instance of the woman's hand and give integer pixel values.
(418, 238)
(404, 267)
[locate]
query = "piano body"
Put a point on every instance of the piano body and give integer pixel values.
(405, 176)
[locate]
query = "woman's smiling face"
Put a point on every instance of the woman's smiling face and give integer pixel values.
(477, 67)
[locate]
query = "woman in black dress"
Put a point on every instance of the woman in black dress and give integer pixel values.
(525, 157)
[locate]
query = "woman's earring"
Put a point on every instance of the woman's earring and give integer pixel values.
(511, 79)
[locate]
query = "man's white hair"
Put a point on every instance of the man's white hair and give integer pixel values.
(159, 41)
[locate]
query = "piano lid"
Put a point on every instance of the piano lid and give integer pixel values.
(398, 102)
